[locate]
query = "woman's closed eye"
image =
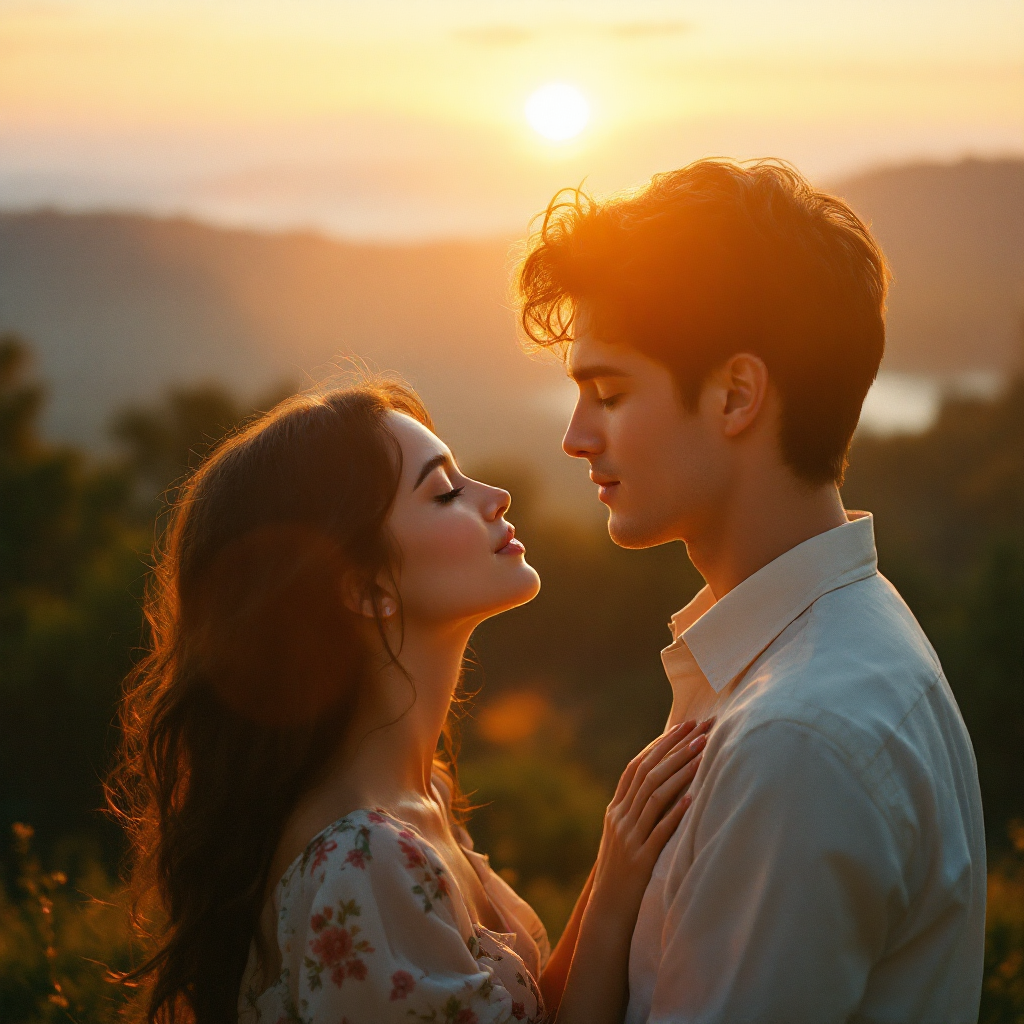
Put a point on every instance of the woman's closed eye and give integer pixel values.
(609, 402)
(449, 495)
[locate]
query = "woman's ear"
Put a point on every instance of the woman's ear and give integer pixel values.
(357, 596)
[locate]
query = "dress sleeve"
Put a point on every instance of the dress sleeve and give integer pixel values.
(369, 933)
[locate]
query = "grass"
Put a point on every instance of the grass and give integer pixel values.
(64, 942)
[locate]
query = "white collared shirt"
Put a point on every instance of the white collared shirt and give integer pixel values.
(832, 866)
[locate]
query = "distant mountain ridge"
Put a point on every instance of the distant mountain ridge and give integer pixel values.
(118, 306)
(954, 237)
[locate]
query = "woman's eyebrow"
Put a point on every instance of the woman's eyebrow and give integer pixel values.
(429, 466)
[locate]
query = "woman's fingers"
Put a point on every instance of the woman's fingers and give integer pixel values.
(666, 828)
(653, 754)
(674, 759)
(637, 769)
(664, 796)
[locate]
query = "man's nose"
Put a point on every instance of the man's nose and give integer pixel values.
(581, 440)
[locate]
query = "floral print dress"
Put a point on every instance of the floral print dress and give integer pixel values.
(371, 929)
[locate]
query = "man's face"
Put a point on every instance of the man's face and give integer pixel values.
(661, 469)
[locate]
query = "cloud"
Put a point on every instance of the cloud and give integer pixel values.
(648, 29)
(496, 35)
(518, 35)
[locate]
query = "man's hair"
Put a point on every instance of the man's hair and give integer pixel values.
(716, 258)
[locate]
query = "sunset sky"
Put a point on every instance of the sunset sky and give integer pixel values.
(392, 119)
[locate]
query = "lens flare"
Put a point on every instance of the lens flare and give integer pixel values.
(557, 111)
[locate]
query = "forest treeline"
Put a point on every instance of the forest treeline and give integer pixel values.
(558, 694)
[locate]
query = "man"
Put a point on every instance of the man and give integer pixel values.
(723, 325)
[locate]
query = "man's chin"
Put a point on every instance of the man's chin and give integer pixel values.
(632, 532)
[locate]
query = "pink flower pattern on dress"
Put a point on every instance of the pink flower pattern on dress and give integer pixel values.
(322, 850)
(336, 948)
(414, 856)
(339, 954)
(402, 983)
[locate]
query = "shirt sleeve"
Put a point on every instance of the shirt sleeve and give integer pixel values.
(795, 879)
(371, 936)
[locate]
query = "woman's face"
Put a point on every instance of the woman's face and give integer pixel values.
(459, 559)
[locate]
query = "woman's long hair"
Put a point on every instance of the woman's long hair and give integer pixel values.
(251, 674)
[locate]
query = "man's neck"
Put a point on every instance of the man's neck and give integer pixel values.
(758, 524)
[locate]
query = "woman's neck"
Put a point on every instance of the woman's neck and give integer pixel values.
(387, 759)
(396, 746)
(389, 756)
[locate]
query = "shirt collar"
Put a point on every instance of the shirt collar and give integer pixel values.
(726, 636)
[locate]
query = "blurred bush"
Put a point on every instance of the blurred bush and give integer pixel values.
(539, 810)
(1002, 1000)
(62, 943)
(70, 576)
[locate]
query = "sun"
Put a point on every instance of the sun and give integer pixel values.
(557, 111)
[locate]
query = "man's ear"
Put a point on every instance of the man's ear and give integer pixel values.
(742, 389)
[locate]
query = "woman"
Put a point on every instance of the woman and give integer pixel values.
(321, 576)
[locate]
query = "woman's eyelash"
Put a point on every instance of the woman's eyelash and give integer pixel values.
(449, 495)
(608, 402)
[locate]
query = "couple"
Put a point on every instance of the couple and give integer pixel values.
(803, 843)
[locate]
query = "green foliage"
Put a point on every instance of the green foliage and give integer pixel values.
(162, 444)
(539, 816)
(70, 578)
(62, 943)
(1002, 1000)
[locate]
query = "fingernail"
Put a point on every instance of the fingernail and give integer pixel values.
(698, 743)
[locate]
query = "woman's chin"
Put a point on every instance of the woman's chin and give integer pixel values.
(525, 588)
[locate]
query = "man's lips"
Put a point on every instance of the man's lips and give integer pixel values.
(511, 546)
(606, 485)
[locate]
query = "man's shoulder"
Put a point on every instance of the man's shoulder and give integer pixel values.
(857, 650)
(857, 671)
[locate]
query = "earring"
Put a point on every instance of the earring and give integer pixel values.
(389, 608)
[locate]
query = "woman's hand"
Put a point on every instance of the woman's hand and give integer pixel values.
(648, 805)
(647, 808)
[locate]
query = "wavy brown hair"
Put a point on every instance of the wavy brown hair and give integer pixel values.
(250, 676)
(715, 258)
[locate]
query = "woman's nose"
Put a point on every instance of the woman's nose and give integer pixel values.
(498, 504)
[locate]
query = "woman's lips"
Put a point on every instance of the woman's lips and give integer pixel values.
(511, 545)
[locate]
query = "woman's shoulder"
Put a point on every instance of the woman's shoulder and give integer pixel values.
(369, 926)
(367, 850)
(352, 842)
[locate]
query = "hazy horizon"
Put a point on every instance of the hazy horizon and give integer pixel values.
(404, 121)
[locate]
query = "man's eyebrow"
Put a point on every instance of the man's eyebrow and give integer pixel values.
(586, 373)
(429, 466)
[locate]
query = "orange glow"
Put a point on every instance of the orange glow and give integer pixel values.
(513, 717)
(427, 100)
